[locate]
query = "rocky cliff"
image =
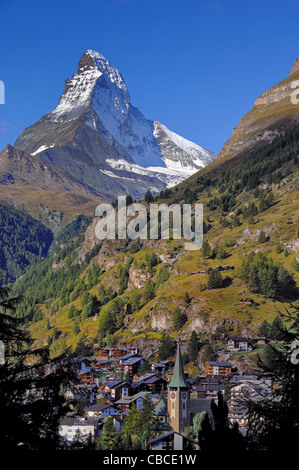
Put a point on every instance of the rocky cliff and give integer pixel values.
(273, 110)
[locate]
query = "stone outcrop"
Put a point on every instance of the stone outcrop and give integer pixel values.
(273, 110)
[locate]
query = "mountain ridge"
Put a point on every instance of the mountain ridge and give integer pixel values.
(272, 112)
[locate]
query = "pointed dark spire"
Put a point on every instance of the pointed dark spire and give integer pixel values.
(178, 380)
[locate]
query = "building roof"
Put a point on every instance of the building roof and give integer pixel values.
(132, 360)
(220, 364)
(239, 338)
(197, 405)
(169, 434)
(127, 356)
(128, 400)
(96, 407)
(161, 408)
(144, 377)
(160, 438)
(77, 421)
(178, 379)
(210, 387)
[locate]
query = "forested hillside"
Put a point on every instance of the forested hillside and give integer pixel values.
(23, 241)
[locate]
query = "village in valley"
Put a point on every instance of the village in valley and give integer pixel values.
(118, 379)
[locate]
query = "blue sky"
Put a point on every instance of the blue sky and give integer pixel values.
(195, 65)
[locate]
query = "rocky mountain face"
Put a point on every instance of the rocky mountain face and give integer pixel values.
(273, 111)
(99, 138)
(43, 189)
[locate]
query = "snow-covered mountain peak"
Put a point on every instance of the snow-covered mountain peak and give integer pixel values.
(109, 71)
(77, 94)
(100, 138)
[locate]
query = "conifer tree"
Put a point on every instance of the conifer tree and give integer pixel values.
(206, 249)
(219, 434)
(273, 423)
(108, 435)
(31, 402)
(187, 299)
(193, 346)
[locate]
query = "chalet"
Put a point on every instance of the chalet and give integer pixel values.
(120, 390)
(82, 364)
(210, 379)
(259, 340)
(173, 441)
(90, 377)
(210, 390)
(132, 350)
(131, 366)
(247, 301)
(236, 344)
(120, 360)
(104, 352)
(162, 366)
(103, 365)
(149, 383)
(118, 352)
(101, 411)
(115, 353)
(218, 368)
(126, 403)
(71, 426)
(80, 392)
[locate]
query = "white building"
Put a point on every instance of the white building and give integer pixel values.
(236, 344)
(71, 426)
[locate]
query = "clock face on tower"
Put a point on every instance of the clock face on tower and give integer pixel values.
(184, 395)
(173, 395)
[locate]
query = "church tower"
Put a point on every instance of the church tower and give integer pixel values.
(178, 396)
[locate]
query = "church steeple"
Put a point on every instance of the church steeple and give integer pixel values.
(178, 396)
(178, 379)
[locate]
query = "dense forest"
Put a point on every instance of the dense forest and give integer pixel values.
(41, 282)
(23, 241)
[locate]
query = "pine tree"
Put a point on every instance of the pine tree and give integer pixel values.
(264, 329)
(31, 402)
(108, 435)
(215, 280)
(219, 434)
(187, 299)
(148, 197)
(206, 249)
(277, 327)
(193, 346)
(262, 237)
(178, 318)
(273, 423)
(167, 347)
(149, 291)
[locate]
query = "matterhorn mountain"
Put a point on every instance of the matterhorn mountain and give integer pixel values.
(99, 138)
